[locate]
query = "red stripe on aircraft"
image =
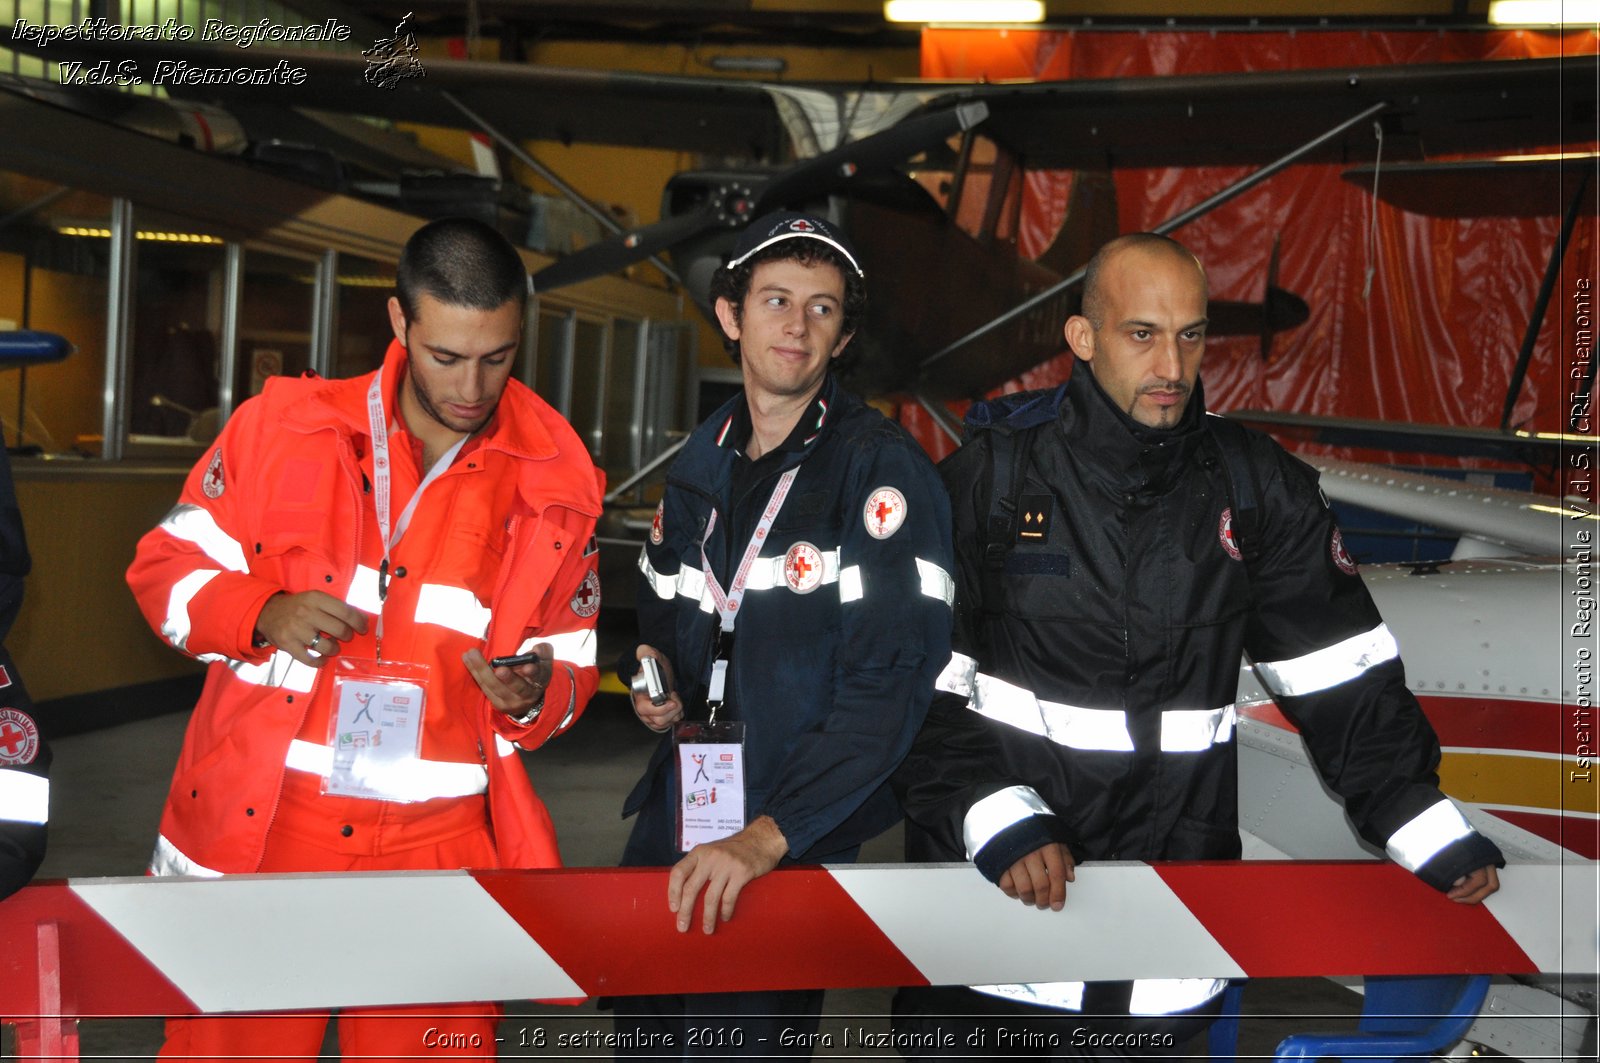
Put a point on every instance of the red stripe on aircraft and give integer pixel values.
(771, 942)
(1577, 834)
(99, 972)
(1472, 722)
(1356, 918)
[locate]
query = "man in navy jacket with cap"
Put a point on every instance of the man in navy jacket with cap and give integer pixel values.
(796, 583)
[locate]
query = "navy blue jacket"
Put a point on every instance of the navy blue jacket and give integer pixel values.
(844, 626)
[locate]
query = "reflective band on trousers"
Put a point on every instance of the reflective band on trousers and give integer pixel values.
(1426, 834)
(413, 779)
(957, 676)
(168, 859)
(195, 525)
(24, 797)
(1151, 996)
(1076, 727)
(995, 813)
(1331, 665)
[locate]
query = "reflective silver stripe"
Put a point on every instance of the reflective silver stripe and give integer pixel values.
(572, 697)
(1430, 831)
(503, 747)
(168, 859)
(195, 525)
(24, 797)
(453, 607)
(1151, 996)
(1043, 994)
(767, 572)
(413, 779)
(575, 646)
(663, 584)
(1196, 730)
(1163, 996)
(936, 582)
(1331, 665)
(957, 675)
(279, 670)
(688, 582)
(363, 592)
(850, 589)
(177, 626)
(995, 813)
(1066, 725)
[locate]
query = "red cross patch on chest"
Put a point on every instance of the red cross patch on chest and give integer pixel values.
(802, 568)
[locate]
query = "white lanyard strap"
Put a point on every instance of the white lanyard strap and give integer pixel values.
(381, 476)
(728, 602)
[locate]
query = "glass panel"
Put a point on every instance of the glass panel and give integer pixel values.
(553, 380)
(621, 428)
(588, 382)
(365, 286)
(177, 322)
(54, 251)
(274, 320)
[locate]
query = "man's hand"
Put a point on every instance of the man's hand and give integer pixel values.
(658, 717)
(1473, 888)
(514, 691)
(1041, 877)
(723, 868)
(309, 626)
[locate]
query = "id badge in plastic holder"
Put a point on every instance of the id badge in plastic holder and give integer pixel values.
(375, 730)
(710, 761)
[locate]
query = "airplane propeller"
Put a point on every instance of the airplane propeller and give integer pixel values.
(1278, 311)
(740, 200)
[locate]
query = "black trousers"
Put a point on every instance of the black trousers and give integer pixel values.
(953, 1022)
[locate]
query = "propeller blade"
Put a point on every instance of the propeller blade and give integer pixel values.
(23, 347)
(821, 174)
(624, 249)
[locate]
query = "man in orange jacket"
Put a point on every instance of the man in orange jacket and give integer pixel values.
(347, 558)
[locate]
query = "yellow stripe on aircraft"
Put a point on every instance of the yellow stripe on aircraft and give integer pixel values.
(1560, 785)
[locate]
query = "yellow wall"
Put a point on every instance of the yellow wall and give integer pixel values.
(79, 629)
(63, 399)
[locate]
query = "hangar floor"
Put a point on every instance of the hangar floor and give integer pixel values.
(107, 791)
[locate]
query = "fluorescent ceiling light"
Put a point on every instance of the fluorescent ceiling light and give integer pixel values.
(1544, 12)
(986, 11)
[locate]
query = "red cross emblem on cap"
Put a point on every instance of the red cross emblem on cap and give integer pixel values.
(800, 225)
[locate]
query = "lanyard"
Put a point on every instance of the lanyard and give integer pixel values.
(381, 483)
(728, 602)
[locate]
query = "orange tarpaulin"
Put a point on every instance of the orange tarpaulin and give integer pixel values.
(1413, 318)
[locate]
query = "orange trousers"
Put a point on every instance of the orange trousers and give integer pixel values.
(304, 842)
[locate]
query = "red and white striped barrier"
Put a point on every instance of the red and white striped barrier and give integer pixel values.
(151, 946)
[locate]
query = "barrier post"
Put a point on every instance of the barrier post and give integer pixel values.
(49, 1034)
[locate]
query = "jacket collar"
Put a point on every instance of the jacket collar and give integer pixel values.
(1129, 455)
(519, 427)
(707, 460)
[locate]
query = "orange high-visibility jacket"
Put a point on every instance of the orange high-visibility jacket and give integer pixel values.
(499, 555)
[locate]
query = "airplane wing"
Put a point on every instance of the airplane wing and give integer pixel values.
(1526, 186)
(1213, 119)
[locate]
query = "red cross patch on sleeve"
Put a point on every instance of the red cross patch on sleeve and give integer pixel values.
(213, 482)
(586, 602)
(884, 512)
(19, 738)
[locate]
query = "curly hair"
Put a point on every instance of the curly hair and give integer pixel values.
(734, 284)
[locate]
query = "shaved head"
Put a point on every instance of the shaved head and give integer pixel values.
(1094, 307)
